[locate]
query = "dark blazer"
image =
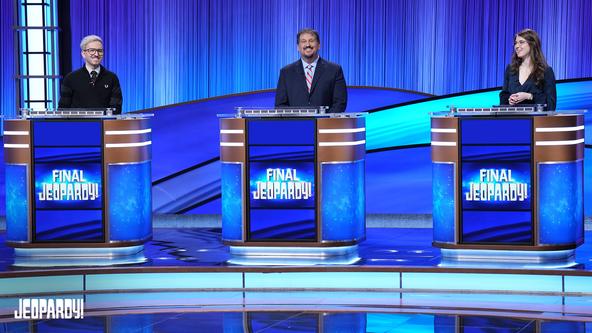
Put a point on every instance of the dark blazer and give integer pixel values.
(327, 88)
(77, 92)
(547, 94)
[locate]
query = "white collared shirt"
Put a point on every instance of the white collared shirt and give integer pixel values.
(314, 65)
(98, 69)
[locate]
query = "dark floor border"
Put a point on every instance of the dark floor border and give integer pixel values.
(84, 271)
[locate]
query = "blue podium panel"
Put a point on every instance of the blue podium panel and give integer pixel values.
(17, 209)
(130, 204)
(560, 200)
(443, 198)
(68, 178)
(496, 175)
(343, 204)
(232, 201)
(281, 180)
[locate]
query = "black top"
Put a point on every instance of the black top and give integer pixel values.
(77, 91)
(545, 94)
(327, 87)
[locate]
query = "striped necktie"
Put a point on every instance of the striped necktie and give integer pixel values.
(93, 78)
(309, 76)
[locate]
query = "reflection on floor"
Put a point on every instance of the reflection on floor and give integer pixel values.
(202, 247)
(279, 322)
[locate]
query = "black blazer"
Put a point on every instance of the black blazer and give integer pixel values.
(77, 92)
(547, 94)
(327, 88)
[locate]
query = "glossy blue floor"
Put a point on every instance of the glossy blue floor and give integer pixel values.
(305, 321)
(184, 284)
(390, 247)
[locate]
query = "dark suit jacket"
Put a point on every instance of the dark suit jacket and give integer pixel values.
(547, 94)
(327, 88)
(77, 92)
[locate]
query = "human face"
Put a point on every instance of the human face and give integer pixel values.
(521, 47)
(308, 46)
(93, 54)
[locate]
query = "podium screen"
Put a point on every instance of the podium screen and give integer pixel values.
(281, 187)
(68, 202)
(496, 181)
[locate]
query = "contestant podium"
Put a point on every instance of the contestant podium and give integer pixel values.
(508, 183)
(292, 183)
(78, 184)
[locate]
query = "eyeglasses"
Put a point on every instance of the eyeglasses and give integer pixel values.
(521, 42)
(93, 51)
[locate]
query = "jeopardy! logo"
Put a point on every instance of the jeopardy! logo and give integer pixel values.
(68, 185)
(50, 308)
(496, 185)
(282, 184)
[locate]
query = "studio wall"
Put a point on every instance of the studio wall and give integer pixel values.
(174, 51)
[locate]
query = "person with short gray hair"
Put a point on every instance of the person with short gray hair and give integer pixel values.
(89, 39)
(92, 86)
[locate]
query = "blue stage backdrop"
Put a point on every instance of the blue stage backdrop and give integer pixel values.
(173, 51)
(7, 65)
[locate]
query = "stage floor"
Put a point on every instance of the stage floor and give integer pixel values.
(187, 270)
(383, 247)
(299, 321)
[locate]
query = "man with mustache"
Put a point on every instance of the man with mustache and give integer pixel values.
(311, 81)
(91, 86)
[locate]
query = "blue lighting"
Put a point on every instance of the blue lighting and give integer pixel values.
(561, 216)
(477, 131)
(325, 280)
(410, 124)
(578, 284)
(443, 197)
(232, 198)
(274, 131)
(343, 205)
(41, 284)
(402, 323)
(130, 201)
(17, 209)
(159, 281)
(473, 281)
(67, 133)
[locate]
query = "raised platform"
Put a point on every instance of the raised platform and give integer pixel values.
(189, 271)
(390, 259)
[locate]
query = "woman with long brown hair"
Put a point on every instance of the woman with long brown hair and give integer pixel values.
(529, 79)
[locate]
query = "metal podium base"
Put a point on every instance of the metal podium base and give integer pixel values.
(268, 255)
(60, 257)
(507, 259)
